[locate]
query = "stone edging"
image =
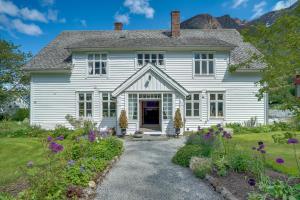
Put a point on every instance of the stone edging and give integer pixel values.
(225, 193)
(90, 192)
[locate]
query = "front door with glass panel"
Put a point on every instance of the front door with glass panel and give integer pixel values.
(150, 112)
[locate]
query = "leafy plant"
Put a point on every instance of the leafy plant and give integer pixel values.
(185, 153)
(239, 161)
(21, 114)
(282, 138)
(200, 166)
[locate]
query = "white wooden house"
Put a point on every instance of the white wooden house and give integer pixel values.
(148, 73)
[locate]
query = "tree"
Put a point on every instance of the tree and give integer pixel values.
(178, 124)
(13, 81)
(123, 121)
(280, 48)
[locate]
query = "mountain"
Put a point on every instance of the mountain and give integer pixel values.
(206, 21)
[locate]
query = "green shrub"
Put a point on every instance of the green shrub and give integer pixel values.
(76, 133)
(207, 143)
(5, 196)
(61, 130)
(107, 149)
(21, 114)
(200, 166)
(184, 154)
(239, 161)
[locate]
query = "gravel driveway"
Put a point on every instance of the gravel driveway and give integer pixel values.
(145, 171)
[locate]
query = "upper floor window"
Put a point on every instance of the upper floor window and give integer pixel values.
(192, 105)
(97, 64)
(157, 59)
(216, 105)
(85, 104)
(108, 105)
(204, 64)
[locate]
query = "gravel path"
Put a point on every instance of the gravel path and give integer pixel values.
(145, 171)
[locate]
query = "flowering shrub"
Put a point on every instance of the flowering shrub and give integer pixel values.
(184, 154)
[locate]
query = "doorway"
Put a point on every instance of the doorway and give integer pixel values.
(150, 112)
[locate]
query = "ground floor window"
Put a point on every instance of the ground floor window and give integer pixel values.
(167, 106)
(132, 106)
(192, 105)
(216, 105)
(108, 105)
(85, 104)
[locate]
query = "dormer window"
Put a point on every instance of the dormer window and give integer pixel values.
(157, 59)
(97, 64)
(204, 64)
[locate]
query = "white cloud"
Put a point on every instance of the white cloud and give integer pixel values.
(124, 18)
(7, 7)
(47, 2)
(238, 3)
(258, 9)
(28, 29)
(16, 24)
(283, 4)
(33, 15)
(52, 15)
(83, 22)
(140, 7)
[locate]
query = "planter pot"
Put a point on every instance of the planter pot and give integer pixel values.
(177, 131)
(123, 131)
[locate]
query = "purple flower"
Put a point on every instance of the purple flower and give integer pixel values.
(207, 136)
(92, 136)
(279, 160)
(55, 147)
(60, 138)
(226, 135)
(261, 146)
(260, 143)
(293, 141)
(30, 164)
(49, 139)
(262, 151)
(252, 182)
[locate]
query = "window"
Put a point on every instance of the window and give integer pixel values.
(216, 105)
(154, 58)
(132, 106)
(85, 104)
(204, 64)
(167, 106)
(97, 64)
(192, 105)
(108, 105)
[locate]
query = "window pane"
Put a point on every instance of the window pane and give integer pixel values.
(81, 113)
(105, 113)
(153, 58)
(91, 68)
(188, 106)
(140, 56)
(196, 96)
(88, 97)
(81, 97)
(161, 56)
(97, 56)
(89, 105)
(161, 59)
(81, 106)
(197, 56)
(161, 62)
(103, 68)
(212, 109)
(105, 96)
(189, 97)
(89, 113)
(97, 67)
(211, 67)
(212, 96)
(197, 67)
(147, 58)
(188, 113)
(204, 56)
(140, 62)
(112, 109)
(90, 56)
(211, 56)
(220, 96)
(220, 109)
(204, 67)
(196, 109)
(104, 56)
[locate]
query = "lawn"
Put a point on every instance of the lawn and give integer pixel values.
(15, 153)
(274, 150)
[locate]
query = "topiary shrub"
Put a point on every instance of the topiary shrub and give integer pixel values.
(123, 121)
(200, 166)
(184, 154)
(178, 124)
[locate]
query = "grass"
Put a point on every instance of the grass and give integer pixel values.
(15, 153)
(274, 150)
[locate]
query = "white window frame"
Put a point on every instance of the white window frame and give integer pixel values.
(131, 115)
(193, 101)
(167, 108)
(200, 62)
(157, 53)
(100, 60)
(85, 102)
(216, 101)
(109, 100)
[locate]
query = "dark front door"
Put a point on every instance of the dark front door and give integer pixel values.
(150, 111)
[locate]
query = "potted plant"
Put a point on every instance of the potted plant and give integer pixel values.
(123, 122)
(178, 124)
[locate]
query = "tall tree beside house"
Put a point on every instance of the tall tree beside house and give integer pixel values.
(13, 80)
(280, 48)
(178, 124)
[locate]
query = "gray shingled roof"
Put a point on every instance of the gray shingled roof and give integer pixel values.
(57, 54)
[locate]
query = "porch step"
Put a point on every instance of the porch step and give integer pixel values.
(149, 137)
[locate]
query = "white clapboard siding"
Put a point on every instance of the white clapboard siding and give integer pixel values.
(53, 95)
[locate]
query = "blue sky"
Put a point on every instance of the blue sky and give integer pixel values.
(34, 23)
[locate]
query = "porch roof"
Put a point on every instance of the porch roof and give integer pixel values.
(149, 67)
